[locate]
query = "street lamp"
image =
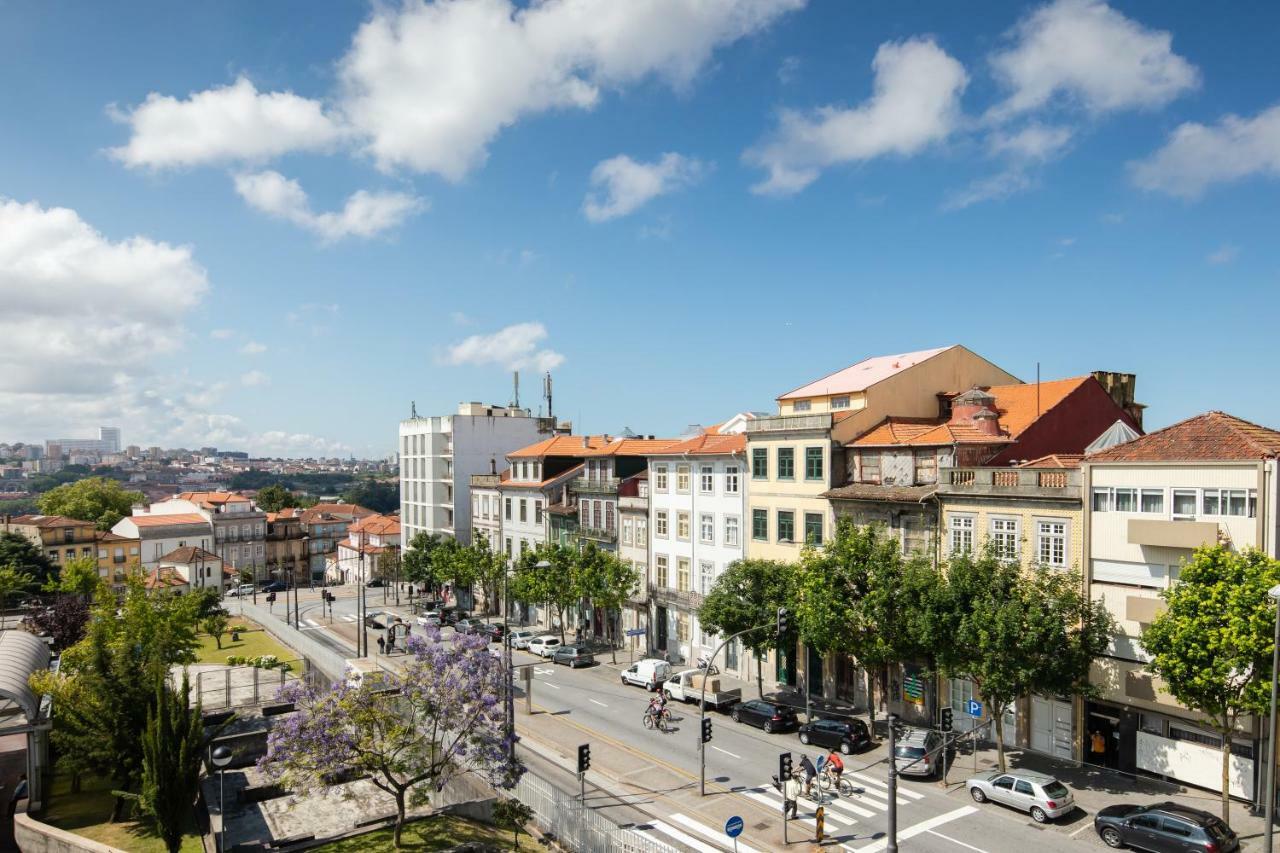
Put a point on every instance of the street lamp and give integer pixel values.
(220, 758)
(1274, 595)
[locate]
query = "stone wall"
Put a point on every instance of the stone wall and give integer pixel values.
(33, 836)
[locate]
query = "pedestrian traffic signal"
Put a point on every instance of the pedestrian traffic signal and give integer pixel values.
(784, 767)
(784, 622)
(706, 729)
(946, 719)
(584, 757)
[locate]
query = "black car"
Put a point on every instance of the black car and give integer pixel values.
(770, 716)
(574, 656)
(469, 626)
(494, 631)
(452, 616)
(377, 619)
(1164, 828)
(375, 582)
(274, 586)
(848, 736)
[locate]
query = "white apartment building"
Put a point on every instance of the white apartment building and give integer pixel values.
(439, 454)
(160, 535)
(526, 489)
(697, 513)
(1149, 503)
(633, 549)
(239, 528)
(486, 514)
(367, 539)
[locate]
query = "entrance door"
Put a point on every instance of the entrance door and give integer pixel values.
(662, 629)
(1052, 729)
(784, 666)
(731, 662)
(813, 671)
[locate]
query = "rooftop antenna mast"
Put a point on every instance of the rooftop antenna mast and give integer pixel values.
(546, 392)
(515, 402)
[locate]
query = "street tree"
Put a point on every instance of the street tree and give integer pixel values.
(77, 576)
(488, 570)
(607, 583)
(1212, 646)
(510, 813)
(1014, 631)
(747, 595)
(416, 560)
(555, 585)
(64, 621)
(172, 746)
(100, 500)
(215, 625)
(13, 580)
(19, 551)
(443, 720)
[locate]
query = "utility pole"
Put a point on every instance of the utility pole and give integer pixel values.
(362, 642)
(891, 843)
(702, 705)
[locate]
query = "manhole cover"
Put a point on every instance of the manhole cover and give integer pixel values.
(762, 825)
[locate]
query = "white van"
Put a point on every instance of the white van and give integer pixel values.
(242, 589)
(648, 673)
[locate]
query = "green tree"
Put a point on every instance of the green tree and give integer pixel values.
(172, 746)
(18, 551)
(77, 576)
(12, 580)
(510, 813)
(608, 583)
(377, 495)
(274, 498)
(215, 625)
(555, 585)
(1014, 631)
(416, 560)
(747, 595)
(98, 499)
(1212, 646)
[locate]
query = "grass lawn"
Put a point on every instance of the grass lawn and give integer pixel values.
(88, 813)
(252, 643)
(434, 833)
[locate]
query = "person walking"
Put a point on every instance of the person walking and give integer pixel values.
(19, 793)
(790, 794)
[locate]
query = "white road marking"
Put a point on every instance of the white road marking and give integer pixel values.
(871, 780)
(549, 684)
(601, 704)
(805, 811)
(683, 838)
(710, 833)
(1080, 829)
(540, 671)
(844, 804)
(916, 829)
(957, 841)
(312, 623)
(727, 752)
(347, 617)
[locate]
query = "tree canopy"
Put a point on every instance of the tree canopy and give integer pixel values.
(377, 495)
(100, 500)
(416, 560)
(555, 584)
(747, 595)
(18, 551)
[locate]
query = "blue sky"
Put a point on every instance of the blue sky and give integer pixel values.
(247, 225)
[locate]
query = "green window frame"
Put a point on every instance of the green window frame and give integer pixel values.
(786, 525)
(786, 463)
(759, 463)
(813, 528)
(760, 525)
(813, 467)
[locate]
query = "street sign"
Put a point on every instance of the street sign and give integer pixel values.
(636, 632)
(974, 708)
(733, 827)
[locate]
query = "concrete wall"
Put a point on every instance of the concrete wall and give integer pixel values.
(32, 836)
(322, 658)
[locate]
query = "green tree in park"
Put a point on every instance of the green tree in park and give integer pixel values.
(12, 581)
(1014, 631)
(18, 551)
(215, 625)
(747, 595)
(555, 585)
(608, 583)
(510, 813)
(100, 500)
(1212, 646)
(77, 576)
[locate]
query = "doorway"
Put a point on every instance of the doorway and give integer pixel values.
(661, 644)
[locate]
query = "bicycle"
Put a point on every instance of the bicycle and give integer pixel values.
(660, 721)
(839, 784)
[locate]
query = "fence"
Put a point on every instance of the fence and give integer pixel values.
(235, 686)
(577, 828)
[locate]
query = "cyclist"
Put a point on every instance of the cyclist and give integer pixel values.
(808, 773)
(834, 765)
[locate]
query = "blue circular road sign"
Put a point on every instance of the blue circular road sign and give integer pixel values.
(733, 827)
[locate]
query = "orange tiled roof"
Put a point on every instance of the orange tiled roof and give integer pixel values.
(1215, 436)
(559, 445)
(354, 510)
(108, 536)
(1055, 460)
(212, 499)
(162, 520)
(633, 447)
(506, 479)
(376, 525)
(189, 554)
(163, 579)
(708, 444)
(49, 521)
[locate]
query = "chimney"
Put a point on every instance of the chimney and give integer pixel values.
(493, 465)
(986, 422)
(586, 442)
(976, 408)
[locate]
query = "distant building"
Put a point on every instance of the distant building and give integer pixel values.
(198, 569)
(108, 441)
(367, 540)
(159, 535)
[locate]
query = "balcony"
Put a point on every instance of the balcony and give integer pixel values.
(790, 423)
(1161, 533)
(666, 596)
(600, 534)
(485, 481)
(1059, 483)
(595, 485)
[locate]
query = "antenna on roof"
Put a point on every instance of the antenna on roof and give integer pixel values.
(515, 400)
(546, 392)
(413, 409)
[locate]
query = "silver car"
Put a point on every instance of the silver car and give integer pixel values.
(919, 752)
(1044, 797)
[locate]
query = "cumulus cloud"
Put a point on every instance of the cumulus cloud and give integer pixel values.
(622, 186)
(254, 379)
(253, 348)
(515, 347)
(1091, 55)
(915, 102)
(1035, 142)
(365, 214)
(1198, 156)
(222, 125)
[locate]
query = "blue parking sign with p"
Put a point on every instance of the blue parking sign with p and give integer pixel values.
(974, 708)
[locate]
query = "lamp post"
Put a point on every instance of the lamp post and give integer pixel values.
(220, 758)
(1269, 811)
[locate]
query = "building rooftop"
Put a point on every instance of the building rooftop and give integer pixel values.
(167, 520)
(707, 444)
(869, 492)
(506, 479)
(1055, 460)
(1212, 436)
(377, 525)
(189, 554)
(163, 579)
(861, 376)
(209, 500)
(633, 447)
(560, 445)
(49, 521)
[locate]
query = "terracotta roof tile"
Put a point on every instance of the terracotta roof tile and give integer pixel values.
(559, 445)
(1055, 460)
(633, 447)
(707, 444)
(162, 520)
(49, 521)
(507, 480)
(163, 579)
(1212, 436)
(377, 525)
(189, 554)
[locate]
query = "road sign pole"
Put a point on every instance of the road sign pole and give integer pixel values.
(891, 843)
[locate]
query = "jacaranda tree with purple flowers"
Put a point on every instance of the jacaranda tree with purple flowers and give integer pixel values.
(410, 733)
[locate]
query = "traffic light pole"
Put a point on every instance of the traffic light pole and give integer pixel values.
(891, 842)
(702, 708)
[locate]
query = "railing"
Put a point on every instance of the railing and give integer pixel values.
(600, 533)
(683, 598)
(1043, 482)
(1004, 478)
(244, 685)
(574, 827)
(594, 484)
(784, 423)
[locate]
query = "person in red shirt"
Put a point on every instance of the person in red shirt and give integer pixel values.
(835, 766)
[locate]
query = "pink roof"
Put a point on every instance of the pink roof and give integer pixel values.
(161, 520)
(863, 375)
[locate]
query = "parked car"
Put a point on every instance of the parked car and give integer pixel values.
(275, 586)
(375, 582)
(1041, 795)
(242, 589)
(520, 639)
(377, 619)
(647, 673)
(453, 616)
(919, 752)
(469, 626)
(574, 656)
(1164, 828)
(848, 736)
(429, 619)
(770, 716)
(495, 631)
(544, 646)
(687, 687)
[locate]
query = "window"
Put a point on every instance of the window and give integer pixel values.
(760, 525)
(801, 406)
(1126, 500)
(524, 510)
(508, 509)
(595, 515)
(508, 547)
(1051, 543)
(731, 480)
(786, 525)
(626, 531)
(682, 574)
(759, 463)
(731, 531)
(706, 480)
(660, 523)
(608, 516)
(682, 479)
(1022, 786)
(813, 528)
(537, 511)
(682, 627)
(786, 463)
(660, 477)
(1152, 500)
(707, 570)
(1181, 828)
(1184, 503)
(1004, 537)
(961, 528)
(682, 526)
(642, 533)
(869, 462)
(660, 565)
(1228, 502)
(1102, 500)
(584, 514)
(841, 402)
(524, 546)
(813, 463)
(707, 528)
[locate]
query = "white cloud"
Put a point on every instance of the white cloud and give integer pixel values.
(1112, 218)
(1013, 180)
(1198, 156)
(916, 102)
(222, 334)
(429, 85)
(1223, 255)
(253, 348)
(1035, 142)
(621, 185)
(364, 215)
(254, 379)
(222, 125)
(514, 348)
(1091, 54)
(789, 68)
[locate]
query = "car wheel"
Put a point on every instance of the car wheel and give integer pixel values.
(1111, 837)
(846, 747)
(1038, 815)
(667, 693)
(624, 682)
(768, 728)
(978, 796)
(573, 664)
(737, 718)
(804, 738)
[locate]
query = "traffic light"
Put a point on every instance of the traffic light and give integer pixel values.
(706, 729)
(784, 622)
(784, 767)
(584, 757)
(946, 719)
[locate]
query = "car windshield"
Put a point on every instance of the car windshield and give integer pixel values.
(910, 752)
(1055, 789)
